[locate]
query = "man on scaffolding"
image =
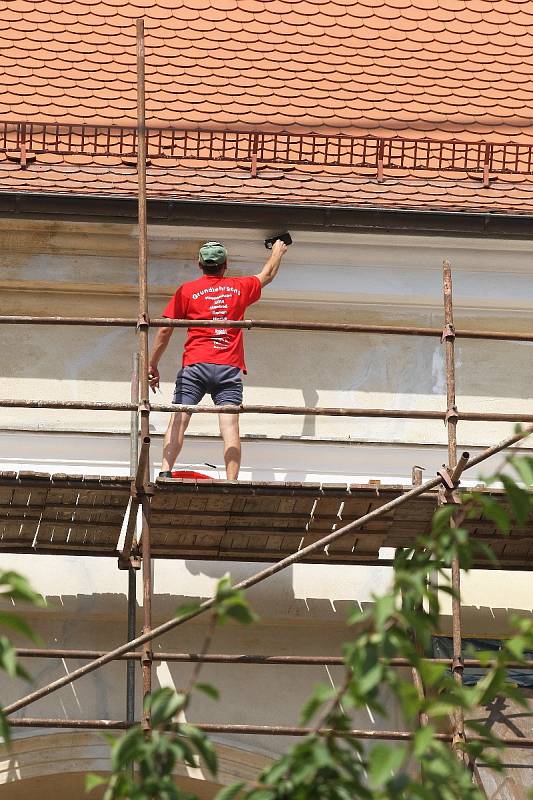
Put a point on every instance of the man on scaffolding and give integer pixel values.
(213, 358)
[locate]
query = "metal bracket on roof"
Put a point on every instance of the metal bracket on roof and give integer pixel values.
(486, 164)
(380, 153)
(255, 146)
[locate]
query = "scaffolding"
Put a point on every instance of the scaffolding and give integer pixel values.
(282, 523)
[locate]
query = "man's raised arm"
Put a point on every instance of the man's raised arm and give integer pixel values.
(159, 346)
(270, 270)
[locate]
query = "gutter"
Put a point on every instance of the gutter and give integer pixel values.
(345, 218)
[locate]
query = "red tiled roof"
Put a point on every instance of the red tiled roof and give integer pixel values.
(442, 69)
(305, 186)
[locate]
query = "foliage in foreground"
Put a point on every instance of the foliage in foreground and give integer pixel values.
(13, 588)
(330, 763)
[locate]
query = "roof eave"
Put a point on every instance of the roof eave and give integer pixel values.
(344, 218)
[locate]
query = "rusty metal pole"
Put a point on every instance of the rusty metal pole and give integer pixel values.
(134, 426)
(448, 337)
(132, 573)
(143, 329)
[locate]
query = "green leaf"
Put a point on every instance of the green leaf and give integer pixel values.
(19, 588)
(486, 550)
(409, 698)
(203, 745)
(186, 609)
(127, 749)
(524, 467)
(5, 731)
(237, 610)
(358, 616)
(423, 740)
(92, 781)
(16, 623)
(164, 705)
(370, 679)
(441, 518)
(516, 646)
(209, 690)
(224, 588)
(494, 511)
(383, 761)
(431, 673)
(384, 608)
(520, 499)
(230, 792)
(321, 695)
(8, 658)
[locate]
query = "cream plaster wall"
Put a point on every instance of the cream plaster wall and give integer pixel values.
(62, 268)
(74, 268)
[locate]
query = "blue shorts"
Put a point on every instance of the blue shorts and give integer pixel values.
(222, 382)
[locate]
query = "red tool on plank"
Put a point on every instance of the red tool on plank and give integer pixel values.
(188, 474)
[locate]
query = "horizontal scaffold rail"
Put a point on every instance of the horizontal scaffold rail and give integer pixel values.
(517, 742)
(266, 324)
(312, 411)
(241, 658)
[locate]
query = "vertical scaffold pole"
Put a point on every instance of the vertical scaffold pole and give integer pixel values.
(132, 573)
(448, 337)
(143, 328)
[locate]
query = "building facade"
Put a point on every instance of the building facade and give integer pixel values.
(370, 235)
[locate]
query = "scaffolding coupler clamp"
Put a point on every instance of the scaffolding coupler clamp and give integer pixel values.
(143, 322)
(458, 738)
(448, 332)
(451, 414)
(446, 478)
(458, 664)
(138, 492)
(129, 562)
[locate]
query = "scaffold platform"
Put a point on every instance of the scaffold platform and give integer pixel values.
(230, 521)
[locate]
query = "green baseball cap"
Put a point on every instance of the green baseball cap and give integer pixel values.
(212, 254)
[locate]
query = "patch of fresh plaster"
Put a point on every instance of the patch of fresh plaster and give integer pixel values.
(438, 372)
(85, 360)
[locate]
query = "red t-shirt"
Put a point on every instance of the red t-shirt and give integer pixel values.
(214, 297)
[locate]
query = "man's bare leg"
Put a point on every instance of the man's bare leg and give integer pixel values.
(229, 430)
(173, 441)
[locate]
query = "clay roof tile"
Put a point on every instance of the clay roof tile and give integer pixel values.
(445, 67)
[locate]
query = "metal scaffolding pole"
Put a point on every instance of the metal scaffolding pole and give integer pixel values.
(239, 658)
(448, 337)
(132, 572)
(517, 742)
(267, 324)
(312, 411)
(143, 329)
